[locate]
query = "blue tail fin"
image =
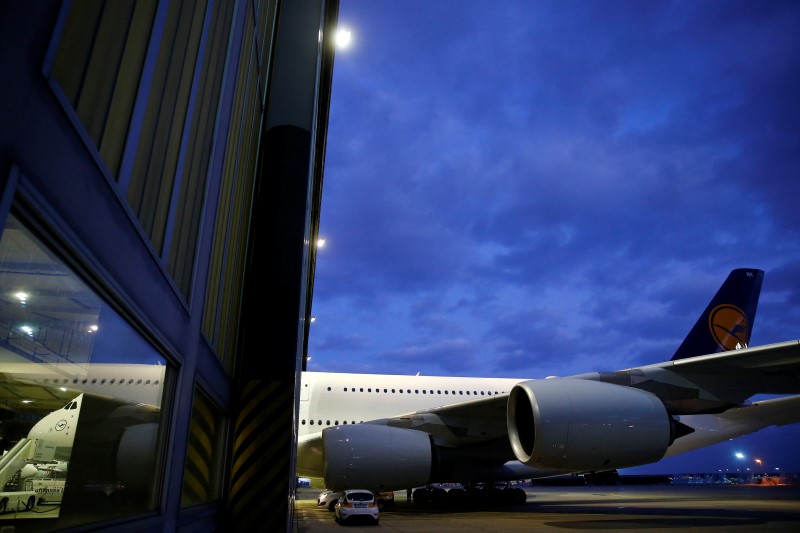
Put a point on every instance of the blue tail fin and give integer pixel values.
(728, 320)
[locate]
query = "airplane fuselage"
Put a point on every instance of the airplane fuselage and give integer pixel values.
(332, 399)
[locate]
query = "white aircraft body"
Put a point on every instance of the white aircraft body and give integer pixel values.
(47, 387)
(391, 432)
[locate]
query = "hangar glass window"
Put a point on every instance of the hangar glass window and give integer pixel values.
(81, 394)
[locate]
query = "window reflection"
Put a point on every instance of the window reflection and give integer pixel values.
(80, 395)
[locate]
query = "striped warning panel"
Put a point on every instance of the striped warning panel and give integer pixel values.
(260, 474)
(200, 453)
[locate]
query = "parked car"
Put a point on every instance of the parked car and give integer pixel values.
(328, 498)
(356, 504)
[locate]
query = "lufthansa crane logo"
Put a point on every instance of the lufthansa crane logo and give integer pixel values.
(61, 425)
(728, 325)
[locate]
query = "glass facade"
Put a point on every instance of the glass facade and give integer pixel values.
(132, 165)
(82, 393)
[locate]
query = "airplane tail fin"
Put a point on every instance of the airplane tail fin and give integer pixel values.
(728, 320)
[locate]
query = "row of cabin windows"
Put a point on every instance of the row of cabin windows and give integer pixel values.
(327, 422)
(400, 391)
(102, 381)
(424, 391)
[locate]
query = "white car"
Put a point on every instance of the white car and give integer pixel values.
(355, 504)
(328, 498)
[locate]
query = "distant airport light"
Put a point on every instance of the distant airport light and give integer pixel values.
(320, 242)
(22, 297)
(739, 455)
(343, 38)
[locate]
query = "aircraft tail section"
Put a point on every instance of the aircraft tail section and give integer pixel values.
(728, 320)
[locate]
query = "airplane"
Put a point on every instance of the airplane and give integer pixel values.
(125, 399)
(103, 442)
(47, 446)
(393, 432)
(389, 432)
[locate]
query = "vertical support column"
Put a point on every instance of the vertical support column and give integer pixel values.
(273, 328)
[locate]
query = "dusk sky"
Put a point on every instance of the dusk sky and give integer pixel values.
(534, 188)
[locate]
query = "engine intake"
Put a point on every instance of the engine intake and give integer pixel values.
(376, 457)
(582, 425)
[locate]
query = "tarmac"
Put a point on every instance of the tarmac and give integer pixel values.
(560, 509)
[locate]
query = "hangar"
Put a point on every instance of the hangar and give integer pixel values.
(161, 174)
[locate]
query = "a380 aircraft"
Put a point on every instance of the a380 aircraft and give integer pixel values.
(391, 432)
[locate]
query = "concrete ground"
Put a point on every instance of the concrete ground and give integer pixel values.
(645, 508)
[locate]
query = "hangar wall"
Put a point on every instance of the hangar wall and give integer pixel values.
(163, 161)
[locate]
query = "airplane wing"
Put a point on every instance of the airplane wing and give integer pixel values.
(716, 382)
(475, 427)
(769, 362)
(704, 384)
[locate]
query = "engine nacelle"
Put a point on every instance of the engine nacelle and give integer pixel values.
(375, 457)
(582, 425)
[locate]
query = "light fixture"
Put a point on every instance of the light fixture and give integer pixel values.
(343, 37)
(320, 242)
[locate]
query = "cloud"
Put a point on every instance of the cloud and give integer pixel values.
(549, 188)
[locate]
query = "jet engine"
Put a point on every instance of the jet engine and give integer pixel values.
(582, 425)
(376, 457)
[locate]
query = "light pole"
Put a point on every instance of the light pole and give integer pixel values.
(739, 457)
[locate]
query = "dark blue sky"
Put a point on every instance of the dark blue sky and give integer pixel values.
(535, 188)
